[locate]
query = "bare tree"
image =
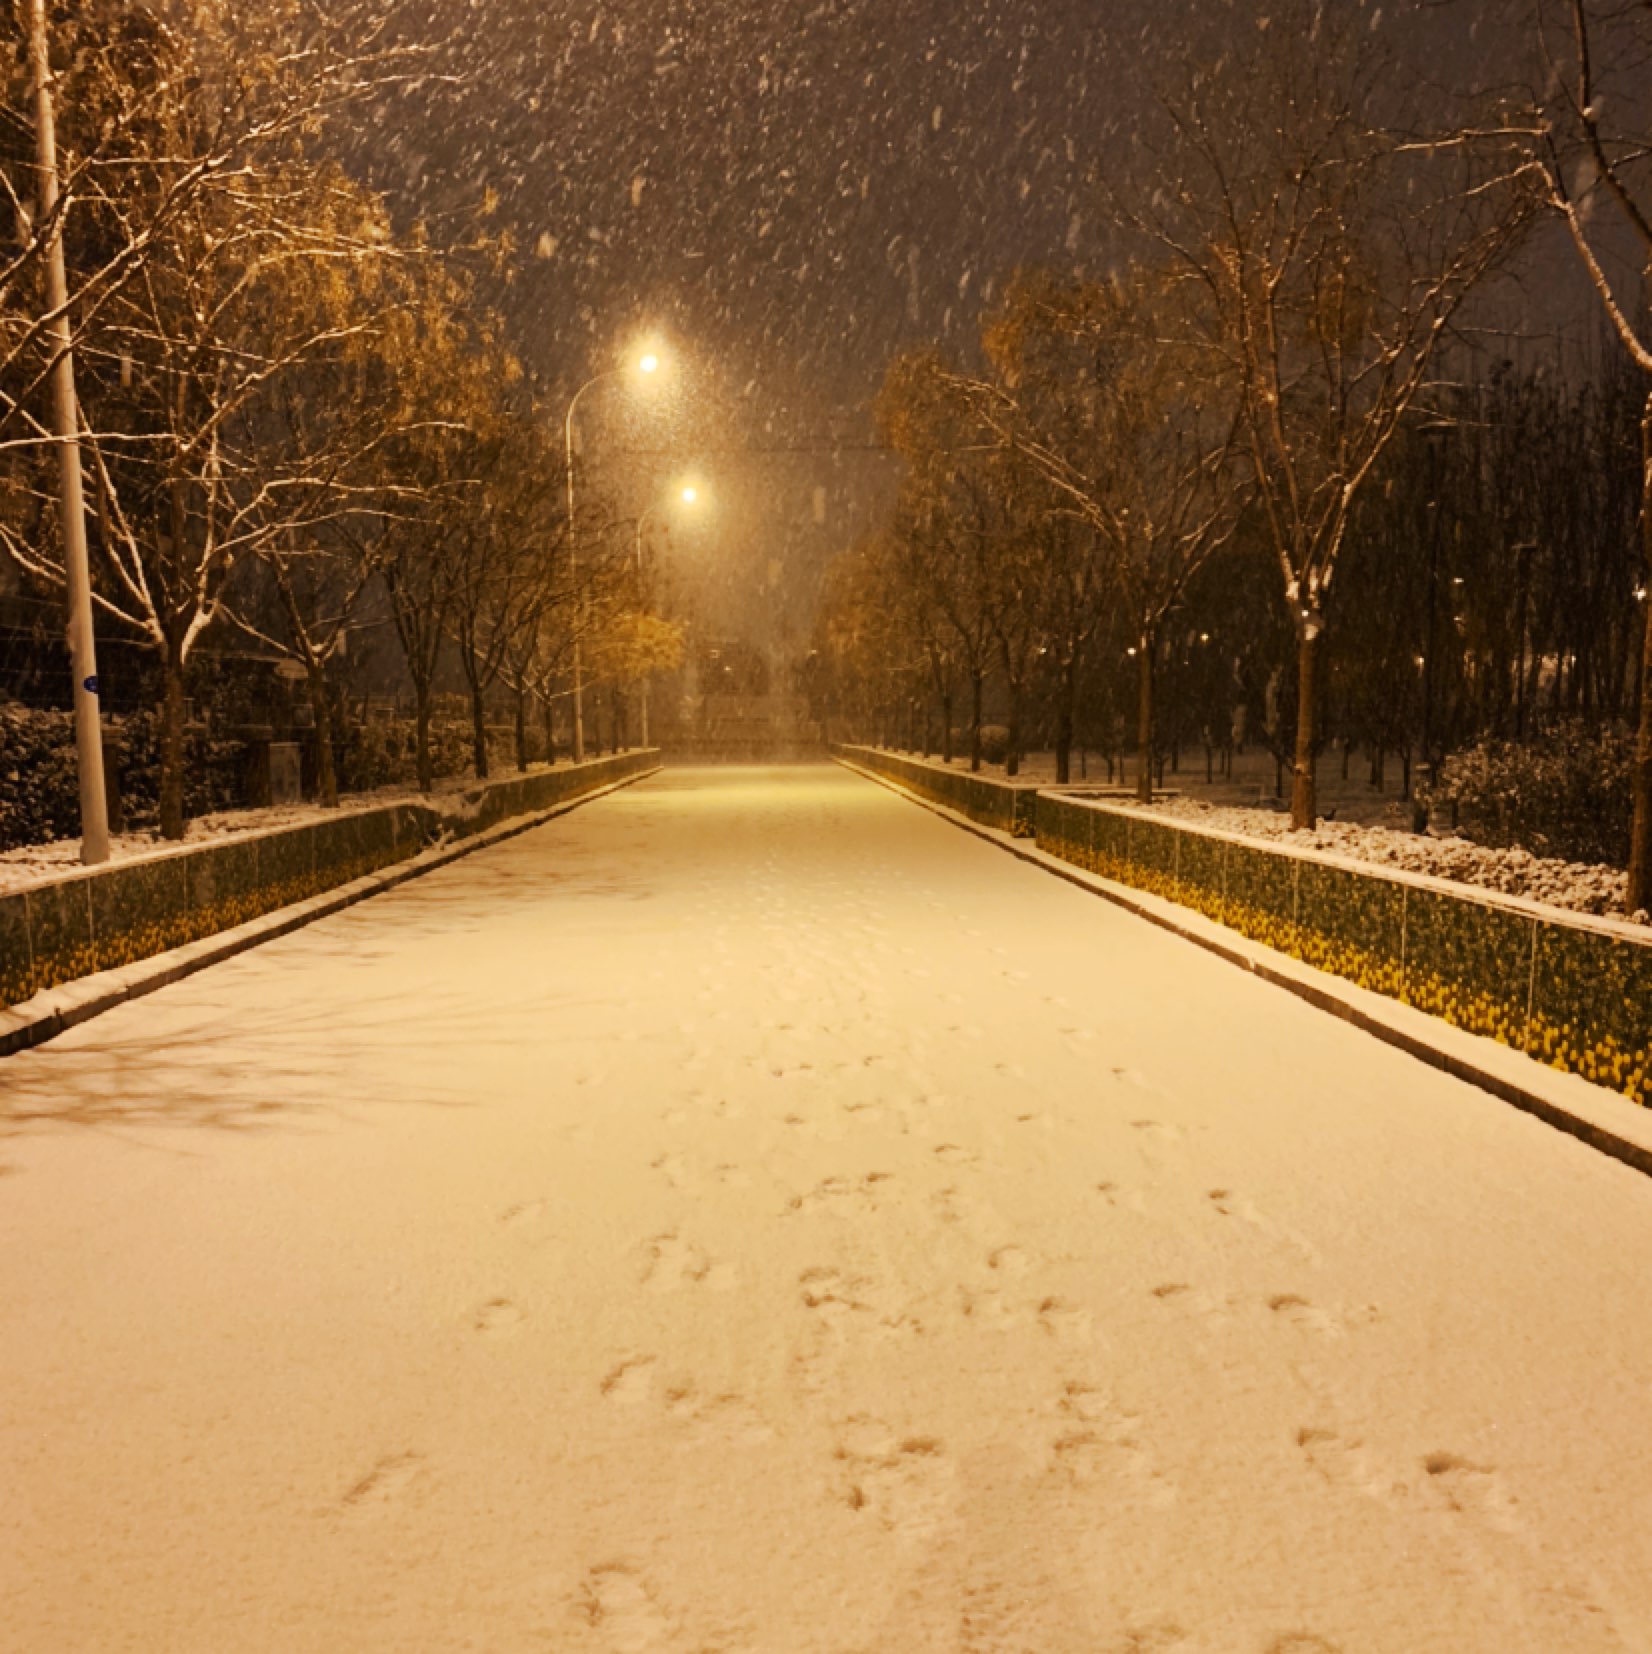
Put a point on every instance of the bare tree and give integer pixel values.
(1326, 251)
(194, 226)
(1100, 393)
(1594, 170)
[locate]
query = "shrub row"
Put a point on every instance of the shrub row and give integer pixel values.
(1574, 995)
(1000, 804)
(102, 918)
(40, 783)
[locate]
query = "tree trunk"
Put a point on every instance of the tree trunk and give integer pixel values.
(1639, 895)
(522, 730)
(421, 737)
(172, 750)
(1012, 752)
(321, 710)
(1304, 801)
(1145, 733)
(1064, 726)
(478, 733)
(946, 728)
(977, 688)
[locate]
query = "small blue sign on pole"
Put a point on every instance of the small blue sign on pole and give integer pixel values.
(90, 685)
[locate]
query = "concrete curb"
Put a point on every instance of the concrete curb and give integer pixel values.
(58, 1009)
(1328, 993)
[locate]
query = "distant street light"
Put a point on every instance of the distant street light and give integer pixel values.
(648, 363)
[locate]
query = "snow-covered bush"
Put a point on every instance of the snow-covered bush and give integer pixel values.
(382, 753)
(39, 779)
(214, 769)
(995, 743)
(40, 774)
(1564, 794)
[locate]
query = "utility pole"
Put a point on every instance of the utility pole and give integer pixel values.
(573, 571)
(94, 809)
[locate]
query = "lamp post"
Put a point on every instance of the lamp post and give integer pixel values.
(1434, 436)
(94, 811)
(687, 495)
(646, 364)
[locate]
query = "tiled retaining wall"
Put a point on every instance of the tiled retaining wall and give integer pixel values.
(110, 916)
(1572, 994)
(1011, 809)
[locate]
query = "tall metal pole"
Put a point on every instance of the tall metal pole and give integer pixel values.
(642, 682)
(573, 569)
(1433, 435)
(94, 809)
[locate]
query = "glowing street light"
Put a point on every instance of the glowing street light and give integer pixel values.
(647, 364)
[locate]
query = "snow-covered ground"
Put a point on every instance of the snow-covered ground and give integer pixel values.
(1368, 827)
(749, 1214)
(1581, 887)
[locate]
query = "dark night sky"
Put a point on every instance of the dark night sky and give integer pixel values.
(794, 190)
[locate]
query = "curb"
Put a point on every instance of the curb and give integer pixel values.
(69, 1004)
(1635, 1155)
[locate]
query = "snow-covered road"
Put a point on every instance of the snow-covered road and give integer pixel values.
(750, 1215)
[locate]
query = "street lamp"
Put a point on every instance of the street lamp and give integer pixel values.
(648, 363)
(687, 494)
(1434, 436)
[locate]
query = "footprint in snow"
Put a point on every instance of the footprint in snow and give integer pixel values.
(1117, 1197)
(1300, 1313)
(673, 1169)
(620, 1606)
(671, 1263)
(528, 1215)
(830, 1192)
(1097, 1441)
(1163, 1638)
(1473, 1489)
(1064, 1322)
(632, 1382)
(905, 1483)
(384, 1483)
(498, 1317)
(1347, 1464)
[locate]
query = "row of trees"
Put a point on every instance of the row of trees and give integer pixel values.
(1282, 375)
(298, 417)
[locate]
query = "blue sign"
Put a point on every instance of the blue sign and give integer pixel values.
(90, 685)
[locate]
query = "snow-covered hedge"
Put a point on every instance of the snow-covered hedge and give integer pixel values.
(1582, 887)
(40, 783)
(101, 918)
(1000, 804)
(1564, 794)
(1573, 992)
